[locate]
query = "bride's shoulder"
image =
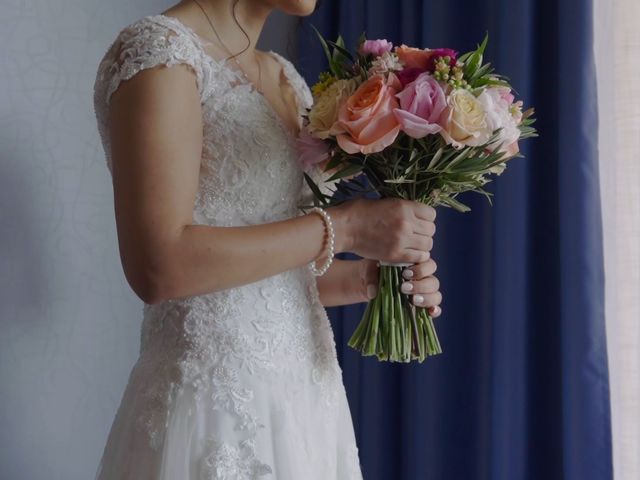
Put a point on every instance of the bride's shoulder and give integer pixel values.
(150, 34)
(147, 42)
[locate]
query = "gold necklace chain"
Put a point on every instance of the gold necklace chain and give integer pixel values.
(259, 87)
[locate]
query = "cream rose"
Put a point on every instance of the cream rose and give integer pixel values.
(464, 120)
(324, 113)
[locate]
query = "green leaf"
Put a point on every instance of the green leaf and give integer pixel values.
(398, 180)
(460, 157)
(339, 49)
(455, 204)
(325, 47)
(436, 158)
(475, 59)
(315, 189)
(345, 172)
(462, 58)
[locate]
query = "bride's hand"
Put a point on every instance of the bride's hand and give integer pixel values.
(388, 229)
(424, 286)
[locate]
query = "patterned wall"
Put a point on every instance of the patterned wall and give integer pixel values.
(69, 324)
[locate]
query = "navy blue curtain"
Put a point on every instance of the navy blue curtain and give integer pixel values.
(521, 390)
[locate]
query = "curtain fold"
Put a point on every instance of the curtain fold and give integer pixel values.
(521, 390)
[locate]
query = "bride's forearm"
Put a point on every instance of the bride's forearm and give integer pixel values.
(201, 259)
(342, 284)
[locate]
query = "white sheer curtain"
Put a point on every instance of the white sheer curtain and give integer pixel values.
(617, 50)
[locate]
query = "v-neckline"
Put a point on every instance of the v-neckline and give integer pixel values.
(224, 63)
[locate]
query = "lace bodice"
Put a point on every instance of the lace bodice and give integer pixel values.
(247, 174)
(225, 345)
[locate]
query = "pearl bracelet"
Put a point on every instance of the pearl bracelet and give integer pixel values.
(331, 237)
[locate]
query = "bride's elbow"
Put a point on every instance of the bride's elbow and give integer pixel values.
(153, 281)
(149, 292)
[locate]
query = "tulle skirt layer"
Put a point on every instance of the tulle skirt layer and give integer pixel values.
(276, 429)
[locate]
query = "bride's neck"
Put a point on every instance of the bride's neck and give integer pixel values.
(251, 15)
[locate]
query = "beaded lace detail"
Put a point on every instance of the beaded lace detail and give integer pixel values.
(220, 345)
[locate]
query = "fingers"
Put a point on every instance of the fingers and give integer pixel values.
(412, 255)
(423, 287)
(422, 242)
(427, 299)
(369, 278)
(426, 285)
(420, 270)
(423, 227)
(424, 212)
(408, 231)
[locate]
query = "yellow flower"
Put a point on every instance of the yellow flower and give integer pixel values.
(324, 113)
(326, 79)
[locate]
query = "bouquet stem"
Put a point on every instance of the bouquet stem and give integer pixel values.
(392, 327)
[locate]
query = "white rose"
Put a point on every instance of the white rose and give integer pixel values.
(464, 120)
(499, 116)
(324, 113)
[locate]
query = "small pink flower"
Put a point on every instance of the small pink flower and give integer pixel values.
(421, 104)
(408, 75)
(442, 52)
(506, 95)
(424, 59)
(375, 47)
(311, 150)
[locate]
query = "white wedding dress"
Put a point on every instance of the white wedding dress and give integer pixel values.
(242, 383)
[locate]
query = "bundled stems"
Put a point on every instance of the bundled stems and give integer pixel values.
(392, 328)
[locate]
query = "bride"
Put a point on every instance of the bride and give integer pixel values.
(237, 376)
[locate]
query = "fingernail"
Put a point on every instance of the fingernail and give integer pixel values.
(371, 290)
(407, 273)
(406, 287)
(418, 299)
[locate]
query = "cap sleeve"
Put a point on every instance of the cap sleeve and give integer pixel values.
(147, 43)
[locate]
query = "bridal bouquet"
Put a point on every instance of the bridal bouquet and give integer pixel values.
(420, 124)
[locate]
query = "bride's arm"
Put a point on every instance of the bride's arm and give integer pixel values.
(156, 141)
(343, 283)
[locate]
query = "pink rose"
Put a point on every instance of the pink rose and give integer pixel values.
(421, 104)
(375, 47)
(367, 119)
(311, 150)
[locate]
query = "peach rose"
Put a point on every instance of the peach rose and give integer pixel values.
(414, 57)
(366, 119)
